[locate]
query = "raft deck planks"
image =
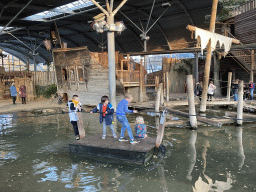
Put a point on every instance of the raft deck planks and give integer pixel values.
(94, 146)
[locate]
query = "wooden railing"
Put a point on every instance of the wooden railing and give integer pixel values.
(250, 5)
(129, 77)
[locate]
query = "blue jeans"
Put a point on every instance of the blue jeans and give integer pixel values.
(123, 120)
(105, 127)
(235, 97)
(251, 91)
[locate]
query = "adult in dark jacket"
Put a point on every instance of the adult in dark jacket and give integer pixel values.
(13, 91)
(106, 115)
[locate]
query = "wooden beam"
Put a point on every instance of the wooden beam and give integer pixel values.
(193, 28)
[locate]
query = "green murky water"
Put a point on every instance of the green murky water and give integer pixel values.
(34, 156)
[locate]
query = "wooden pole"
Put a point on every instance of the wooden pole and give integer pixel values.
(201, 119)
(240, 103)
(162, 94)
(167, 87)
(160, 132)
(141, 81)
(191, 102)
(229, 85)
(208, 58)
(158, 97)
(245, 115)
(252, 67)
(164, 84)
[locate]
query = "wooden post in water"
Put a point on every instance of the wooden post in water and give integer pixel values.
(158, 97)
(191, 102)
(160, 132)
(240, 103)
(167, 86)
(208, 57)
(80, 125)
(229, 85)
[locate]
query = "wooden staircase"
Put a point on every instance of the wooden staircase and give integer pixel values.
(244, 58)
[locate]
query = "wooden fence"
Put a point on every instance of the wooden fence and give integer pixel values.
(44, 78)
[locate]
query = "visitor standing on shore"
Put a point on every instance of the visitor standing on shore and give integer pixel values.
(210, 91)
(23, 94)
(251, 89)
(13, 91)
(235, 90)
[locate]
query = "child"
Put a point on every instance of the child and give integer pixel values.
(106, 115)
(210, 91)
(74, 106)
(140, 128)
(121, 110)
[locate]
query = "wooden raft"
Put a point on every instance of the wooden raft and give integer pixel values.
(93, 146)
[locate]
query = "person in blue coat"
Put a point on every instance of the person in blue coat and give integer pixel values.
(13, 91)
(106, 115)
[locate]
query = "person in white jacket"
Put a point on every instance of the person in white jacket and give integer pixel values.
(210, 91)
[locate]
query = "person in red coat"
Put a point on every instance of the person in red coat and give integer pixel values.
(23, 94)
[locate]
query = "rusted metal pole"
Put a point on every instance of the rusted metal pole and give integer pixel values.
(252, 67)
(229, 85)
(208, 58)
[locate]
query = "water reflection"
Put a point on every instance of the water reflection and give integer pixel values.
(35, 151)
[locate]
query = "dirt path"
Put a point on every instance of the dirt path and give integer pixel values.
(6, 106)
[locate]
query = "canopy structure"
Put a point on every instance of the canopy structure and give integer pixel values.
(29, 23)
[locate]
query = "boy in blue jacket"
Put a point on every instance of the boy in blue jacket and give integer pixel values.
(106, 115)
(121, 110)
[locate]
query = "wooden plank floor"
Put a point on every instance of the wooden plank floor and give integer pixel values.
(112, 148)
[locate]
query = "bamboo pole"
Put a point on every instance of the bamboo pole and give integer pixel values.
(240, 103)
(191, 102)
(229, 85)
(208, 58)
(193, 28)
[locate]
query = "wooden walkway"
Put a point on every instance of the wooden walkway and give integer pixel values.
(94, 146)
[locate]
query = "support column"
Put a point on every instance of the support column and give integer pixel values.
(240, 103)
(216, 74)
(196, 68)
(252, 67)
(111, 62)
(229, 85)
(191, 102)
(208, 58)
(34, 69)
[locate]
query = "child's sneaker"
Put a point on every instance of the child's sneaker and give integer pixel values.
(103, 137)
(133, 141)
(122, 139)
(77, 137)
(115, 136)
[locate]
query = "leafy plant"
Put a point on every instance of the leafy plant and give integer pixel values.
(227, 7)
(46, 91)
(181, 69)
